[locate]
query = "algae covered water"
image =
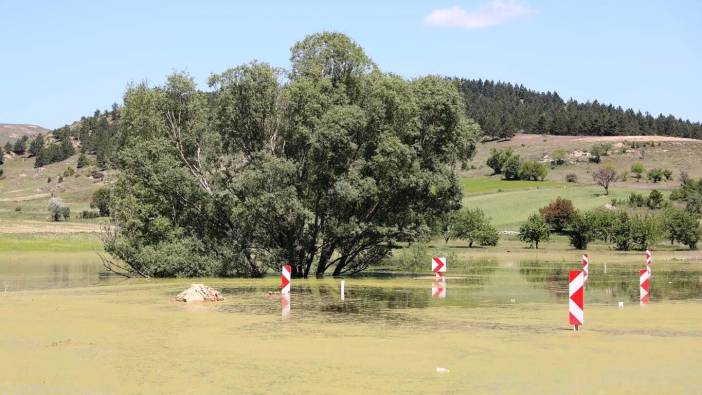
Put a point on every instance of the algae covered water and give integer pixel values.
(498, 327)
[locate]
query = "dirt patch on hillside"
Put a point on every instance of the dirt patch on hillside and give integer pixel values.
(538, 138)
(26, 198)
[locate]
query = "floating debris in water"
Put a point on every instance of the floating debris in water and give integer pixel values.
(621, 305)
(442, 370)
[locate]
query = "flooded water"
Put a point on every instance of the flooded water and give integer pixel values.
(381, 296)
(492, 327)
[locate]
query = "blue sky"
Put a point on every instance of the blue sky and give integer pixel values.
(60, 60)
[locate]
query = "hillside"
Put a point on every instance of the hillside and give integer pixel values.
(25, 192)
(26, 187)
(11, 132)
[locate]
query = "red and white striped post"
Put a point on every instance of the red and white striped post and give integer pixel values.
(586, 267)
(649, 260)
(285, 279)
(644, 280)
(576, 296)
(438, 264)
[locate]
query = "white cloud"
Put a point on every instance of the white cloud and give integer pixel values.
(493, 13)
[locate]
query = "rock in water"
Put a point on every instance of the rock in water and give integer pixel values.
(199, 293)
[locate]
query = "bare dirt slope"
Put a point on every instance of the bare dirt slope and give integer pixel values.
(11, 131)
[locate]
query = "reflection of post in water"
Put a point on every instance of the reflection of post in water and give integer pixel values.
(644, 278)
(438, 287)
(285, 305)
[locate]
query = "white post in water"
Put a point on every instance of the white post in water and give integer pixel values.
(605, 271)
(342, 290)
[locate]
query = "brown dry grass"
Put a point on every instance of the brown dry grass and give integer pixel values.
(673, 153)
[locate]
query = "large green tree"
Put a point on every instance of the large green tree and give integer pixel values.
(326, 166)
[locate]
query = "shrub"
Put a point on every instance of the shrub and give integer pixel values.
(621, 232)
(18, 208)
(65, 213)
(603, 224)
(559, 157)
(472, 225)
(532, 170)
(581, 230)
(412, 258)
(89, 214)
(101, 201)
(668, 174)
(558, 213)
(624, 176)
(57, 210)
(497, 159)
(60, 179)
(682, 226)
(82, 161)
(598, 151)
(655, 175)
(654, 200)
(511, 167)
(69, 172)
(645, 231)
(571, 177)
(637, 170)
(48, 180)
(534, 231)
(636, 200)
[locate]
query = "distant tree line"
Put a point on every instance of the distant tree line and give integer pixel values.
(503, 109)
(627, 227)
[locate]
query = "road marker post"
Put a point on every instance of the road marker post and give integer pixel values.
(576, 298)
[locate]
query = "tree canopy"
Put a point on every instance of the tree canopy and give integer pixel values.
(327, 165)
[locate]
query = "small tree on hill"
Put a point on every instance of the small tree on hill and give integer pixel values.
(655, 175)
(534, 231)
(474, 226)
(559, 157)
(605, 176)
(511, 167)
(57, 210)
(82, 161)
(668, 174)
(20, 146)
(532, 170)
(558, 213)
(101, 201)
(497, 159)
(655, 200)
(637, 170)
(36, 145)
(8, 147)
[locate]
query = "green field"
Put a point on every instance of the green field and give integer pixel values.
(11, 243)
(478, 185)
(518, 199)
